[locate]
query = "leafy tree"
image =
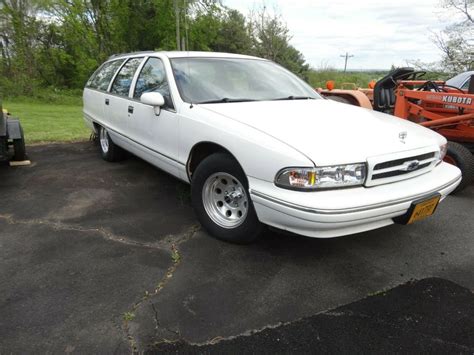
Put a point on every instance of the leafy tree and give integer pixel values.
(18, 28)
(202, 28)
(59, 43)
(233, 34)
(271, 40)
(457, 40)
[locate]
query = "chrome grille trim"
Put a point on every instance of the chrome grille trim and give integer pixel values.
(397, 162)
(400, 166)
(397, 172)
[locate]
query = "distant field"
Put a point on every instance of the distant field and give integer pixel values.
(318, 79)
(49, 122)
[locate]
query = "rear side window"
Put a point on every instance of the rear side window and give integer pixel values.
(102, 77)
(123, 80)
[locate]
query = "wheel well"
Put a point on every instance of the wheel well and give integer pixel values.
(200, 152)
(96, 127)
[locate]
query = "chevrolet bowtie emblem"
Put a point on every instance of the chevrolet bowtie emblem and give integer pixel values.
(411, 165)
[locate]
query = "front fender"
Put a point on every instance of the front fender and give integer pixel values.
(260, 155)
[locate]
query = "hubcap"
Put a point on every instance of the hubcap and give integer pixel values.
(225, 200)
(104, 140)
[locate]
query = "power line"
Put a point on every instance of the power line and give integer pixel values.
(346, 56)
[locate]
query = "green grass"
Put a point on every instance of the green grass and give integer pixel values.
(318, 79)
(45, 122)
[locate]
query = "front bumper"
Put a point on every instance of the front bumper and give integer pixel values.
(333, 213)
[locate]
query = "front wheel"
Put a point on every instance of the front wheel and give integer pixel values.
(461, 157)
(220, 197)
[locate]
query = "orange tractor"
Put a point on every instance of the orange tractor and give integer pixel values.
(433, 104)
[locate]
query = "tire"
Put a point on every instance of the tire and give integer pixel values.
(461, 157)
(221, 201)
(339, 99)
(108, 149)
(19, 150)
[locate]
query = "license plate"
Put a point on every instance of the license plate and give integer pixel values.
(423, 209)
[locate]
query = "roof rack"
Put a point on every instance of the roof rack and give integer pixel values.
(130, 53)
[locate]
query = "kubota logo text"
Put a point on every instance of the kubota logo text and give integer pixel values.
(457, 100)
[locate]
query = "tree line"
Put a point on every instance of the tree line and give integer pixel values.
(59, 43)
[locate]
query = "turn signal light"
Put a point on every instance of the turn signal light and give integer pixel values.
(330, 85)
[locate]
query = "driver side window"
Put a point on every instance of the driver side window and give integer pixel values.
(152, 78)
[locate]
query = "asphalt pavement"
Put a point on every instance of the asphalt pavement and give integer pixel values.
(108, 257)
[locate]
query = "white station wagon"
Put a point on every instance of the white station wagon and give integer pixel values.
(261, 147)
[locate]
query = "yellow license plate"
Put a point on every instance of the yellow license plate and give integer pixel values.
(424, 209)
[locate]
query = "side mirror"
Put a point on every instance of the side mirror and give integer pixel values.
(154, 99)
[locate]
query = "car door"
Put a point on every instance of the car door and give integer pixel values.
(95, 92)
(157, 134)
(117, 101)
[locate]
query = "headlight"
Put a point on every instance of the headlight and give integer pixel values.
(442, 153)
(325, 177)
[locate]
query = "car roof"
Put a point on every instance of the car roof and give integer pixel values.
(184, 54)
(460, 79)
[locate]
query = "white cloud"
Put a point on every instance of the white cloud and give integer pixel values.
(378, 33)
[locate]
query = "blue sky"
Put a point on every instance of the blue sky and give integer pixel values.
(378, 33)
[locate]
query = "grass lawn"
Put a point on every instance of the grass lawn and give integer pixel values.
(48, 122)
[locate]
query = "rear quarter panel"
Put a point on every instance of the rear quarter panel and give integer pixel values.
(93, 106)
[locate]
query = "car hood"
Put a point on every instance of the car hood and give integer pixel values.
(328, 132)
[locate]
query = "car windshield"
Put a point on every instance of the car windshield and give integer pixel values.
(216, 80)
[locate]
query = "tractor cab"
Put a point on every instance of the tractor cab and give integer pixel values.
(384, 91)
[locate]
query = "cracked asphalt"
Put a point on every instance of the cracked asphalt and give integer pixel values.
(108, 257)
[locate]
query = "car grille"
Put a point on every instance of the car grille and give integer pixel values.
(386, 171)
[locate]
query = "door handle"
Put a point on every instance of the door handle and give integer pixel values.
(130, 109)
(106, 101)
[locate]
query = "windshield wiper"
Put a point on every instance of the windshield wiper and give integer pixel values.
(291, 97)
(224, 100)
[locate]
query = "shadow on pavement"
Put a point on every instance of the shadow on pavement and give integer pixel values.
(431, 315)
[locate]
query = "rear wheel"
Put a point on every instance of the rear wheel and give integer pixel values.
(221, 200)
(108, 149)
(461, 157)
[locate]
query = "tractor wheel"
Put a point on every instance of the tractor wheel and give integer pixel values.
(339, 99)
(461, 157)
(19, 150)
(3, 149)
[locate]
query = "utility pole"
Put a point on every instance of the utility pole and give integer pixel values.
(178, 35)
(346, 56)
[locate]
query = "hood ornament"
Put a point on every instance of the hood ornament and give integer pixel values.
(402, 136)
